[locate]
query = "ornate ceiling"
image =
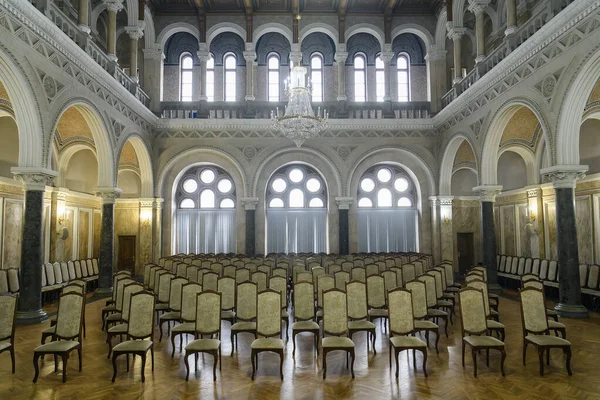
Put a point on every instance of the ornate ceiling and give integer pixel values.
(523, 128)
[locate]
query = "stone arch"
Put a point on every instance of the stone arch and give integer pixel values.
(270, 28)
(458, 12)
(144, 161)
(366, 28)
(174, 28)
(528, 156)
(222, 27)
(149, 29)
(322, 28)
(417, 30)
(441, 30)
(65, 157)
(445, 187)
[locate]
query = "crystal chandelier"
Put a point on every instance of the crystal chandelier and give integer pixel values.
(299, 122)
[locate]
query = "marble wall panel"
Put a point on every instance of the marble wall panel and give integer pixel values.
(525, 231)
(507, 219)
(68, 242)
(13, 230)
(550, 224)
(97, 222)
(585, 234)
(466, 218)
(83, 234)
(127, 222)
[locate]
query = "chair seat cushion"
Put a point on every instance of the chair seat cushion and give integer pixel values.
(118, 329)
(267, 343)
(432, 312)
(228, 314)
(407, 341)
(424, 324)
(244, 326)
(360, 325)
(110, 307)
(552, 324)
(162, 306)
(493, 296)
(378, 312)
(170, 316)
(337, 342)
(547, 340)
(305, 326)
(51, 330)
(114, 317)
(57, 346)
(493, 302)
(483, 341)
(185, 327)
(133, 345)
(551, 313)
(52, 320)
(444, 303)
(491, 324)
(5, 345)
(203, 345)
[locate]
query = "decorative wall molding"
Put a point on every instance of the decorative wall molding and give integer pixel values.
(487, 192)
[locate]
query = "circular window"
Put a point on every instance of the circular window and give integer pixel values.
(315, 203)
(207, 176)
(204, 187)
(386, 186)
(276, 203)
(367, 185)
(296, 175)
(278, 185)
(190, 186)
(313, 185)
(401, 184)
(227, 203)
(295, 187)
(384, 175)
(365, 202)
(224, 185)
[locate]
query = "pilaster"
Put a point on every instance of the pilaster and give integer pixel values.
(344, 204)
(250, 204)
(108, 196)
(487, 196)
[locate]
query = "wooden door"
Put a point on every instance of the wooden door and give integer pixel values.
(126, 259)
(466, 257)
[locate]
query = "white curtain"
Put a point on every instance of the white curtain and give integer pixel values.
(387, 230)
(203, 231)
(296, 231)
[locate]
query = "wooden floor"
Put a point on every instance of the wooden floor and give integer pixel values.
(303, 380)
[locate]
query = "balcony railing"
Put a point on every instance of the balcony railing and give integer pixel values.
(264, 109)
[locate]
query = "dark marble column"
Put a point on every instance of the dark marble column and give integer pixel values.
(250, 207)
(30, 293)
(343, 204)
(107, 240)
(564, 179)
(487, 196)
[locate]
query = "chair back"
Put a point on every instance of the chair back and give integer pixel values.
(324, 283)
(356, 292)
(449, 273)
(69, 316)
(128, 291)
(437, 276)
(242, 275)
(430, 291)
(73, 289)
(260, 278)
(157, 274)
(119, 288)
(226, 286)
(528, 277)
(481, 285)
(390, 280)
(210, 281)
(152, 278)
(371, 269)
(472, 315)
(317, 272)
(181, 270)
(147, 269)
(229, 270)
(141, 316)
(533, 311)
(304, 301)
(419, 298)
(79, 282)
(534, 283)
(400, 312)
(376, 291)
(8, 315)
(247, 293)
(335, 312)
(442, 272)
(266, 269)
(208, 312)
(279, 284)
(408, 273)
(217, 268)
(189, 292)
(175, 293)
(191, 273)
(359, 274)
(164, 287)
(399, 277)
(268, 319)
(71, 269)
(279, 272)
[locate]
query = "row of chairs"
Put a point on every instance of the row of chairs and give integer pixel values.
(9, 280)
(57, 275)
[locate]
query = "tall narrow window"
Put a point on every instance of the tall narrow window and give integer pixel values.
(210, 79)
(316, 76)
(360, 78)
(379, 78)
(403, 78)
(187, 66)
(273, 77)
(230, 78)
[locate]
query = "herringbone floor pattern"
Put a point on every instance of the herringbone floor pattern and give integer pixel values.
(303, 379)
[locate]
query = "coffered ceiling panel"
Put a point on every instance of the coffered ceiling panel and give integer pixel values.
(172, 6)
(275, 6)
(366, 6)
(319, 6)
(224, 5)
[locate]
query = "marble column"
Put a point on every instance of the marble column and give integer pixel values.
(249, 56)
(340, 59)
(83, 19)
(436, 77)
(511, 17)
(477, 7)
(487, 196)
(107, 239)
(446, 233)
(112, 8)
(203, 57)
(34, 182)
(250, 207)
(153, 77)
(135, 34)
(456, 33)
(157, 208)
(343, 204)
(435, 229)
(387, 57)
(563, 179)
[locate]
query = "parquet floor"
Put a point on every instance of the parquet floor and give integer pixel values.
(303, 380)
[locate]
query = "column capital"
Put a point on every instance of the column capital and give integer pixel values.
(478, 6)
(113, 5)
(147, 203)
(435, 54)
(533, 191)
(340, 56)
(487, 192)
(433, 201)
(153, 54)
(134, 32)
(250, 56)
(445, 200)
(108, 194)
(455, 33)
(158, 203)
(34, 178)
(564, 176)
(387, 56)
(249, 203)
(344, 202)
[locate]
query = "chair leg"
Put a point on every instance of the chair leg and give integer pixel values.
(294, 333)
(487, 357)
(12, 358)
(352, 364)
(152, 356)
(524, 352)
(143, 367)
(396, 355)
(173, 344)
(424, 361)
(374, 338)
(281, 364)
(220, 360)
(390, 355)
(114, 362)
(567, 351)
(463, 354)
(160, 330)
(541, 357)
(437, 340)
(324, 363)
(253, 357)
(187, 365)
(64, 357)
(474, 353)
(80, 358)
(232, 347)
(503, 352)
(36, 367)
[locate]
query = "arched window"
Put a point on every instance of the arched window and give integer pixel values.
(229, 63)
(403, 65)
(316, 76)
(379, 78)
(360, 78)
(387, 213)
(205, 217)
(296, 202)
(210, 79)
(273, 77)
(186, 64)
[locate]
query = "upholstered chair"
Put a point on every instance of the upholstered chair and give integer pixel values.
(181, 270)
(402, 326)
(451, 286)
(358, 314)
(208, 323)
(68, 333)
(537, 283)
(304, 313)
(268, 326)
(528, 277)
(317, 272)
(189, 293)
(341, 278)
(226, 286)
(164, 293)
(493, 297)
(493, 325)
(419, 301)
(217, 268)
(210, 280)
(266, 269)
(371, 269)
(474, 328)
(536, 329)
(335, 324)
(279, 284)
(448, 292)
(121, 329)
(242, 275)
(390, 279)
(260, 278)
(333, 268)
(174, 312)
(324, 283)
(245, 310)
(229, 270)
(140, 332)
(359, 274)
(443, 304)
(279, 272)
(110, 306)
(408, 273)
(376, 298)
(116, 317)
(8, 315)
(433, 312)
(72, 287)
(152, 282)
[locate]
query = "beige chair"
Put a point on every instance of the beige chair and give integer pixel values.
(492, 324)
(317, 272)
(164, 293)
(110, 306)
(372, 269)
(441, 303)
(268, 325)
(390, 280)
(226, 286)
(140, 332)
(8, 316)
(242, 275)
(279, 272)
(174, 312)
(335, 323)
(537, 283)
(419, 301)
(324, 283)
(536, 329)
(229, 270)
(358, 274)
(208, 323)
(377, 299)
(245, 311)
(279, 284)
(260, 278)
(432, 311)
(189, 292)
(341, 278)
(304, 313)
(210, 281)
(121, 329)
(402, 325)
(76, 286)
(358, 313)
(474, 328)
(68, 333)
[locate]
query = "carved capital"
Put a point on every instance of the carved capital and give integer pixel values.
(340, 57)
(564, 176)
(34, 178)
(487, 192)
(113, 5)
(386, 56)
(250, 56)
(158, 203)
(478, 6)
(455, 33)
(108, 194)
(533, 191)
(153, 54)
(433, 201)
(344, 202)
(445, 200)
(147, 203)
(249, 203)
(134, 32)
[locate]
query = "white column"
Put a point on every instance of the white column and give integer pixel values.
(387, 57)
(477, 7)
(112, 8)
(203, 56)
(446, 233)
(435, 228)
(436, 77)
(135, 34)
(153, 77)
(249, 56)
(456, 34)
(295, 55)
(340, 59)
(83, 19)
(511, 17)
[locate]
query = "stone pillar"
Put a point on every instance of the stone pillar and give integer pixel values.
(157, 208)
(83, 19)
(340, 59)
(446, 233)
(477, 7)
(34, 182)
(107, 240)
(135, 34)
(456, 34)
(249, 56)
(487, 196)
(203, 56)
(511, 17)
(436, 77)
(387, 57)
(112, 7)
(146, 234)
(563, 179)
(153, 77)
(435, 229)
(344, 225)
(250, 207)
(295, 55)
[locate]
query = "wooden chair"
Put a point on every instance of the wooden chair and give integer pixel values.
(536, 329)
(419, 301)
(279, 284)
(537, 283)
(110, 306)
(245, 311)
(164, 293)
(358, 313)
(229, 270)
(208, 322)
(77, 286)
(8, 316)
(116, 316)
(377, 299)
(441, 303)
(121, 329)
(304, 313)
(67, 336)
(324, 283)
(390, 280)
(371, 269)
(430, 296)
(341, 278)
(174, 313)
(210, 280)
(242, 275)
(226, 286)
(335, 323)
(474, 328)
(140, 332)
(402, 326)
(189, 292)
(260, 278)
(359, 274)
(492, 324)
(268, 325)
